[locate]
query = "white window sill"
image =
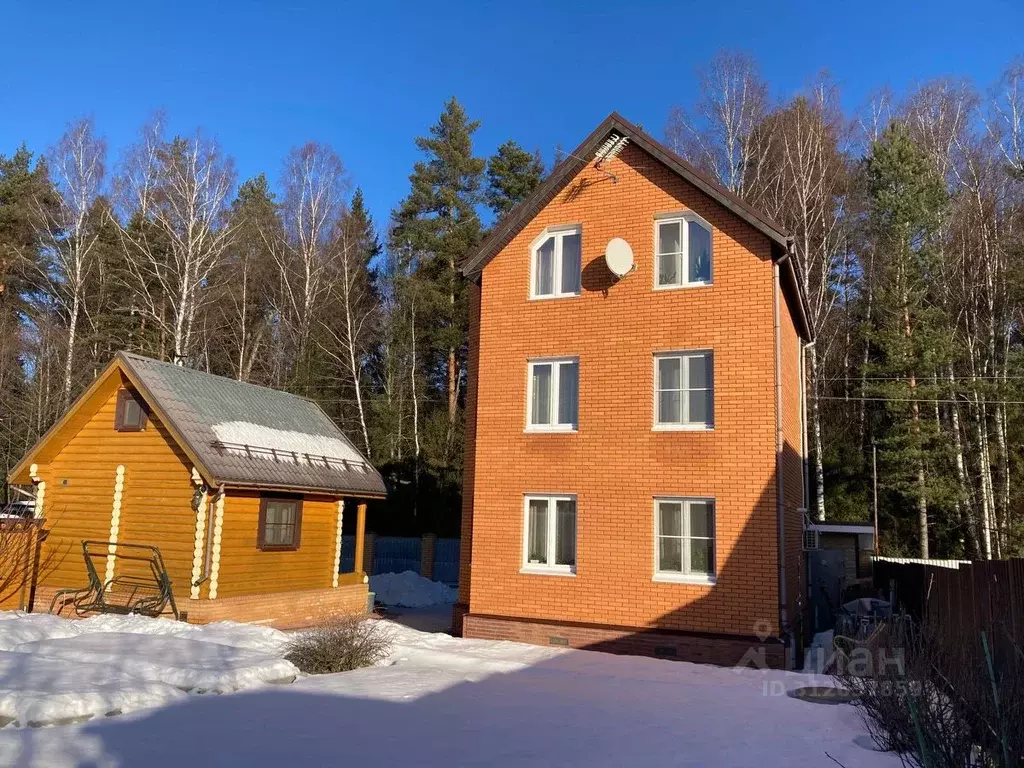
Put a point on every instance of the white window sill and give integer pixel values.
(683, 428)
(683, 286)
(550, 296)
(547, 570)
(684, 578)
(556, 429)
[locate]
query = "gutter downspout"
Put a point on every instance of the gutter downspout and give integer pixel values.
(207, 560)
(784, 629)
(803, 421)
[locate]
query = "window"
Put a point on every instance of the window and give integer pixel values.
(130, 415)
(553, 398)
(683, 252)
(556, 264)
(549, 544)
(280, 522)
(684, 539)
(684, 396)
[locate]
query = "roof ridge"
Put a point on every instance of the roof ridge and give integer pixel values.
(198, 372)
(575, 161)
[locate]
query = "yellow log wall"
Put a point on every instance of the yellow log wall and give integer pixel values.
(246, 570)
(155, 502)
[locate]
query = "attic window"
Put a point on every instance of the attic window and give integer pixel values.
(683, 246)
(131, 412)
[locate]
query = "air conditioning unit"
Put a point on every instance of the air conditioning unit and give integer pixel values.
(810, 538)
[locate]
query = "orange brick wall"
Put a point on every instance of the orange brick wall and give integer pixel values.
(793, 471)
(615, 463)
(284, 610)
(469, 464)
(701, 649)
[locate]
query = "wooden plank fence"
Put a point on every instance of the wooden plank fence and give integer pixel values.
(19, 560)
(961, 603)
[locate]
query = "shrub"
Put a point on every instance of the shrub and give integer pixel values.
(939, 699)
(339, 645)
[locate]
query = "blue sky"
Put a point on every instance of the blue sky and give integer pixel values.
(367, 77)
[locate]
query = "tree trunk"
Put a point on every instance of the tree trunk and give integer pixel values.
(69, 359)
(412, 377)
(819, 465)
(354, 369)
(963, 507)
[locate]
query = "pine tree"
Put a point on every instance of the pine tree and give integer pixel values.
(906, 205)
(512, 174)
(23, 186)
(438, 225)
(243, 313)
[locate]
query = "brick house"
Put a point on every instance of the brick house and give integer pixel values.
(634, 475)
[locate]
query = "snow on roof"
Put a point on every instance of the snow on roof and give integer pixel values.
(238, 434)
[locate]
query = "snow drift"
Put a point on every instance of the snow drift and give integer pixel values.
(191, 665)
(410, 590)
(38, 691)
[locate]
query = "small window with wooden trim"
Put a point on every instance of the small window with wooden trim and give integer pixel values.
(131, 414)
(280, 522)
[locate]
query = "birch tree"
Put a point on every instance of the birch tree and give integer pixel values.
(807, 194)
(77, 164)
(179, 189)
(314, 185)
(244, 309)
(353, 309)
(722, 136)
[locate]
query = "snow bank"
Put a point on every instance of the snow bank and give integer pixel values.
(410, 590)
(17, 627)
(250, 636)
(37, 691)
(188, 664)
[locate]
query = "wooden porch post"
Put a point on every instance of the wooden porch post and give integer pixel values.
(360, 534)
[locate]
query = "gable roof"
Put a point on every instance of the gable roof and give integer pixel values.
(241, 434)
(515, 220)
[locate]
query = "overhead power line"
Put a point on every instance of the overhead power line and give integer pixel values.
(854, 398)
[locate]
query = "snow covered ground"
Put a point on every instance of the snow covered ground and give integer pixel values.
(53, 670)
(410, 590)
(442, 701)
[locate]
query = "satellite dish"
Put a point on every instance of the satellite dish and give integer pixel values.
(618, 256)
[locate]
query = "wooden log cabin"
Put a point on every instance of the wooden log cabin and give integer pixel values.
(243, 489)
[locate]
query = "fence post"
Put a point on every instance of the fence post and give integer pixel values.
(427, 555)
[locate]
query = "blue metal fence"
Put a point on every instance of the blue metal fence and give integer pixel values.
(394, 554)
(348, 554)
(446, 561)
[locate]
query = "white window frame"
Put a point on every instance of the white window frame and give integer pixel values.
(685, 425)
(549, 569)
(684, 218)
(685, 577)
(556, 384)
(559, 233)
